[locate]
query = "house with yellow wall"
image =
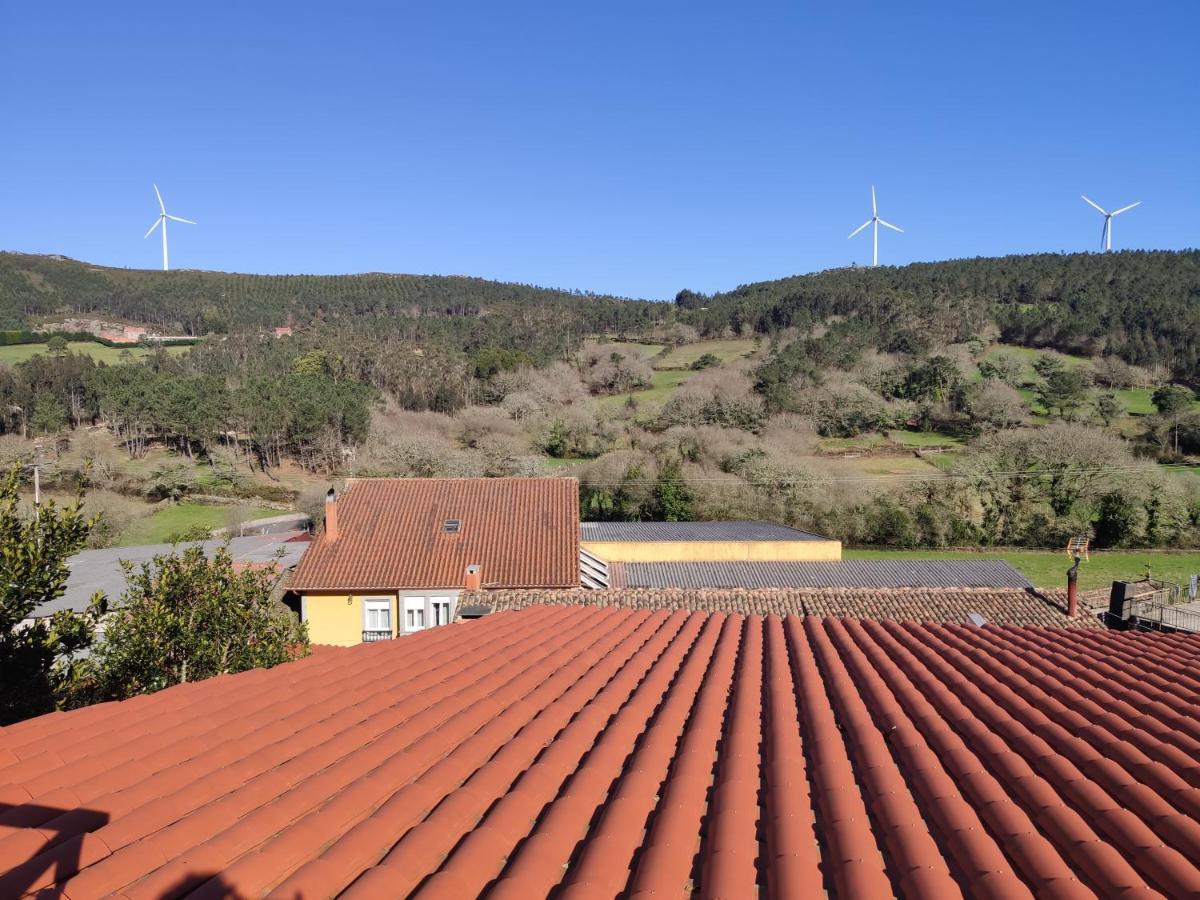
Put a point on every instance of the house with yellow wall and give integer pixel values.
(656, 542)
(395, 553)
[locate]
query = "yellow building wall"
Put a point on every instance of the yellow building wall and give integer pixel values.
(338, 618)
(714, 551)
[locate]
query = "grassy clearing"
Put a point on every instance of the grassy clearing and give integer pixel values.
(647, 350)
(682, 357)
(1027, 355)
(662, 385)
(944, 462)
(1137, 401)
(159, 527)
(867, 441)
(18, 353)
(886, 465)
(1049, 569)
(919, 439)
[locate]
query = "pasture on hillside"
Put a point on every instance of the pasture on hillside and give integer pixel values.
(672, 369)
(19, 353)
(1135, 401)
(662, 385)
(726, 351)
(169, 521)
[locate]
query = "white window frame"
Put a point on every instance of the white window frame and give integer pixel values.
(438, 605)
(414, 613)
(377, 605)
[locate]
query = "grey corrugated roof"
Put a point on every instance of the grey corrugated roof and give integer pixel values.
(850, 573)
(100, 570)
(692, 531)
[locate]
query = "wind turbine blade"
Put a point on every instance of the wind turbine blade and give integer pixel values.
(178, 219)
(859, 228)
(1104, 232)
(1090, 203)
(157, 222)
(891, 226)
(874, 208)
(1117, 212)
(160, 200)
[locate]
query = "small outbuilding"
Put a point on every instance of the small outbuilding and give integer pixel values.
(658, 542)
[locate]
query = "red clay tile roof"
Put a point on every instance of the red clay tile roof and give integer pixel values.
(1000, 606)
(524, 532)
(605, 751)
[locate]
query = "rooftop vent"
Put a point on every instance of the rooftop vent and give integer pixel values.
(974, 618)
(451, 526)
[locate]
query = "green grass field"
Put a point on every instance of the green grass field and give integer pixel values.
(919, 439)
(159, 527)
(662, 385)
(556, 463)
(1136, 401)
(647, 350)
(867, 441)
(18, 353)
(1028, 354)
(682, 357)
(881, 467)
(1049, 569)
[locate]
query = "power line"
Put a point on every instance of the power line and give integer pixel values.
(804, 480)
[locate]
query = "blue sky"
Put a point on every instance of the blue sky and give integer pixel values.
(626, 147)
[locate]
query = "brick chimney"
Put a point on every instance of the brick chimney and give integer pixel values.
(331, 518)
(474, 580)
(1073, 590)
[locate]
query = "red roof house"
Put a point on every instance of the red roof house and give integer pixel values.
(396, 552)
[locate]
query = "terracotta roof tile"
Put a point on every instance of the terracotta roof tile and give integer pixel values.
(596, 751)
(1000, 606)
(522, 531)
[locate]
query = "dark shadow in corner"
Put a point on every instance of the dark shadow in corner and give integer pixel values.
(214, 885)
(60, 854)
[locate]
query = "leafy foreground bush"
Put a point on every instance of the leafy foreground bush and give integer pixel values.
(186, 617)
(38, 661)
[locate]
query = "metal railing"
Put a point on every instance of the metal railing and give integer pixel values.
(1160, 616)
(1167, 592)
(369, 636)
(1158, 609)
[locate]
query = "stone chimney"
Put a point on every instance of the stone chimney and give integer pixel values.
(331, 518)
(474, 580)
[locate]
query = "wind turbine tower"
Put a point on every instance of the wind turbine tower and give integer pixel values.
(875, 222)
(163, 215)
(1106, 234)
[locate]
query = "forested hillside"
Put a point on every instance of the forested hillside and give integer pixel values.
(470, 312)
(978, 402)
(1141, 306)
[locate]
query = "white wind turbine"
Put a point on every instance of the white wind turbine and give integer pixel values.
(1106, 234)
(876, 221)
(163, 215)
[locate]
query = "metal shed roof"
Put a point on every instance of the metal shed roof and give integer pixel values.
(856, 573)
(100, 570)
(650, 532)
